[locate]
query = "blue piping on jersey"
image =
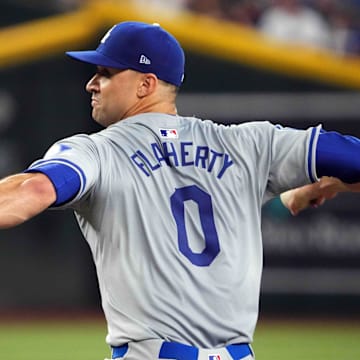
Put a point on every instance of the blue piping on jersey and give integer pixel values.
(311, 159)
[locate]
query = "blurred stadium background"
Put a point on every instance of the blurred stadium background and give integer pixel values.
(235, 72)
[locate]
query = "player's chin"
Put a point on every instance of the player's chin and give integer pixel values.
(96, 115)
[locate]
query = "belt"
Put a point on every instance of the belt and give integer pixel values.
(178, 351)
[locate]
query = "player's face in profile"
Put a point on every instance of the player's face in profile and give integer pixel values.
(113, 94)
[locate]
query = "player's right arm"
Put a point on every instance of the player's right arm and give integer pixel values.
(22, 196)
(58, 180)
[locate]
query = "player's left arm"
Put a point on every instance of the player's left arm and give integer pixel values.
(314, 195)
(337, 165)
(22, 196)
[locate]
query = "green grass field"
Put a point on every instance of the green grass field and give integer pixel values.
(84, 340)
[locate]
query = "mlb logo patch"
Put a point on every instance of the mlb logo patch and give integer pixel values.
(169, 133)
(214, 357)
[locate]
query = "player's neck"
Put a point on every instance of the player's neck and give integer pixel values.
(152, 107)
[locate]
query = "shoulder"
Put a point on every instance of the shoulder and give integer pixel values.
(72, 145)
(218, 126)
(230, 127)
(247, 132)
(248, 128)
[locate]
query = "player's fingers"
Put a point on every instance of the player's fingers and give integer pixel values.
(331, 185)
(318, 202)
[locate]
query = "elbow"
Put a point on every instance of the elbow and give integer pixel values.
(39, 192)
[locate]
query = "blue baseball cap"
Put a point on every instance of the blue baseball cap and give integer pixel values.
(138, 46)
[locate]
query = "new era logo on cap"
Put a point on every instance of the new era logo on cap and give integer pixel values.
(144, 60)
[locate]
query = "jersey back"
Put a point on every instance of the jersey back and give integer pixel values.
(171, 209)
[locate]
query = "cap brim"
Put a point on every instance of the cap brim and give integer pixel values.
(96, 58)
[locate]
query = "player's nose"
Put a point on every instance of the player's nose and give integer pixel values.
(92, 84)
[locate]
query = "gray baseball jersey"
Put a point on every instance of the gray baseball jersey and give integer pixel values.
(171, 209)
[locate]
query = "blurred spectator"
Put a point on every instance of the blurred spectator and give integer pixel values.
(353, 3)
(292, 21)
(343, 17)
(352, 44)
(331, 24)
(168, 6)
(245, 12)
(212, 8)
(341, 24)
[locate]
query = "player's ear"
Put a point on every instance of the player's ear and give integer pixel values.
(147, 85)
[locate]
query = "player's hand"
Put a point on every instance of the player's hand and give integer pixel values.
(312, 195)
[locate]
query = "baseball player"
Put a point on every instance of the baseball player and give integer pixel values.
(170, 205)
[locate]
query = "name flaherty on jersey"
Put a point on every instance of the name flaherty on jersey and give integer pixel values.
(185, 154)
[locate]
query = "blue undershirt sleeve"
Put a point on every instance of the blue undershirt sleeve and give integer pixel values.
(66, 180)
(339, 156)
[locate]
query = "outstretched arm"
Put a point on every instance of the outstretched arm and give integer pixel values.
(22, 196)
(316, 194)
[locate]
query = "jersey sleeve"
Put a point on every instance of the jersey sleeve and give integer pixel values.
(292, 158)
(73, 166)
(336, 155)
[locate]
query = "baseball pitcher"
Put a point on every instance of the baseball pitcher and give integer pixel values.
(170, 205)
